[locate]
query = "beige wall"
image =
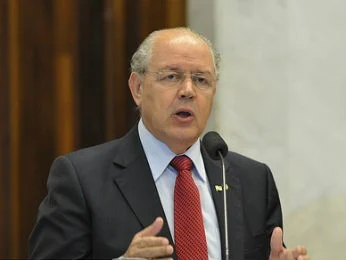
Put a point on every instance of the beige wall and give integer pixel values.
(282, 100)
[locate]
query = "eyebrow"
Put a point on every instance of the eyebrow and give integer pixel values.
(174, 68)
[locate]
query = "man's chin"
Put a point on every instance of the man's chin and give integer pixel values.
(186, 137)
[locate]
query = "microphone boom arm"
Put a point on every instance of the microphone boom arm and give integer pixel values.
(224, 206)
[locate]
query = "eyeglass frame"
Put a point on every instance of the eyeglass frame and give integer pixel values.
(161, 76)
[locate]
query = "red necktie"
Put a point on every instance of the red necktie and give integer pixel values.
(189, 235)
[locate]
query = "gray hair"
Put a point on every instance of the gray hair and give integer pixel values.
(141, 58)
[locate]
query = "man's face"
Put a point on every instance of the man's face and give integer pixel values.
(175, 107)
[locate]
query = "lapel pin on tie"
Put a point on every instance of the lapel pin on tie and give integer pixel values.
(219, 187)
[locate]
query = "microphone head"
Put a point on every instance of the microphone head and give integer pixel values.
(214, 144)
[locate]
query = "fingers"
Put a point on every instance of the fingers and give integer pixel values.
(145, 244)
(149, 252)
(153, 229)
(279, 252)
(276, 242)
(305, 257)
(299, 250)
(300, 253)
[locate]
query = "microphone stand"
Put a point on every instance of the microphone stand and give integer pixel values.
(224, 206)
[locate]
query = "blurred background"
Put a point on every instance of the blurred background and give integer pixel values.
(281, 98)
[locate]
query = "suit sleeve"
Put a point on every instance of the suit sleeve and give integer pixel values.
(274, 212)
(62, 228)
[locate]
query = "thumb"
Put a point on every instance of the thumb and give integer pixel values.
(276, 243)
(153, 229)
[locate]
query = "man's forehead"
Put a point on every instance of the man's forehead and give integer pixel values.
(180, 48)
(178, 36)
(179, 42)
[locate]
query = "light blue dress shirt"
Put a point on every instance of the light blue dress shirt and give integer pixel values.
(159, 156)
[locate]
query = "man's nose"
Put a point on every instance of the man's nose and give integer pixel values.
(187, 89)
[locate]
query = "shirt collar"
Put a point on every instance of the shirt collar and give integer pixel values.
(159, 155)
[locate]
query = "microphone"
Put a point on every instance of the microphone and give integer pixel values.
(217, 149)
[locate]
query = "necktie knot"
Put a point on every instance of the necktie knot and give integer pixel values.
(181, 162)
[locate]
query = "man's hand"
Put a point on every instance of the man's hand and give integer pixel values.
(278, 252)
(145, 244)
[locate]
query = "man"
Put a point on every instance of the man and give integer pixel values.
(119, 199)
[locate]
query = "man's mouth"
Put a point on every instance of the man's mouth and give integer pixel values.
(183, 114)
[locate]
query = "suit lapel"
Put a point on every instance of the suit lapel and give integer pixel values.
(134, 179)
(234, 204)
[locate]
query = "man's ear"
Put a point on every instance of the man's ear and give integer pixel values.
(135, 85)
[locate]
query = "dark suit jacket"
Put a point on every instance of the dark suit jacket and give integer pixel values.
(99, 197)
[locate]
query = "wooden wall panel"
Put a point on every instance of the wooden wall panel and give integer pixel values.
(4, 133)
(64, 66)
(14, 124)
(175, 13)
(91, 73)
(64, 62)
(116, 70)
(33, 116)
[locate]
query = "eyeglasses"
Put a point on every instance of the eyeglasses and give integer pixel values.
(173, 78)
